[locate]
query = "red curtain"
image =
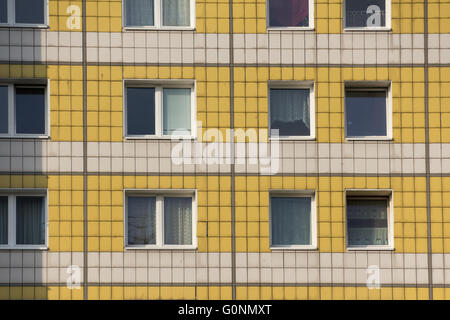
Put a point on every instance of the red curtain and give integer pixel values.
(288, 12)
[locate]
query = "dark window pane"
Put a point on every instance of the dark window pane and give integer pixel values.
(3, 220)
(30, 220)
(30, 110)
(288, 13)
(30, 11)
(365, 13)
(367, 222)
(140, 111)
(291, 221)
(365, 113)
(289, 111)
(139, 13)
(141, 220)
(3, 11)
(177, 221)
(3, 109)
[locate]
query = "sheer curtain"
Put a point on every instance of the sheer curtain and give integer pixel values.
(3, 220)
(141, 220)
(176, 12)
(30, 220)
(177, 220)
(139, 12)
(289, 111)
(176, 111)
(367, 222)
(291, 221)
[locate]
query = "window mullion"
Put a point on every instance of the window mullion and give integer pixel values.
(158, 13)
(159, 221)
(11, 12)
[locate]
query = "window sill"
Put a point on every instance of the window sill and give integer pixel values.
(25, 137)
(188, 248)
(370, 139)
(24, 26)
(371, 248)
(294, 248)
(293, 138)
(269, 29)
(41, 248)
(368, 29)
(158, 28)
(177, 138)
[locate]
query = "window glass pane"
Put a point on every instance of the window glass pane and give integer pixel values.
(140, 111)
(139, 12)
(141, 220)
(291, 220)
(30, 110)
(178, 221)
(30, 11)
(177, 111)
(176, 12)
(367, 222)
(289, 111)
(3, 220)
(288, 13)
(365, 13)
(3, 11)
(30, 220)
(365, 113)
(3, 109)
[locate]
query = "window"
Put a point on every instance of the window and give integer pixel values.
(161, 220)
(23, 110)
(374, 14)
(23, 12)
(368, 113)
(291, 111)
(23, 219)
(159, 13)
(290, 13)
(157, 111)
(293, 221)
(369, 219)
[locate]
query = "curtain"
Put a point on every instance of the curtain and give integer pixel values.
(177, 220)
(139, 12)
(176, 111)
(367, 222)
(291, 221)
(289, 111)
(288, 13)
(30, 220)
(3, 220)
(141, 220)
(3, 109)
(176, 12)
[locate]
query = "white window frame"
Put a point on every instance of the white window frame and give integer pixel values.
(12, 108)
(159, 85)
(310, 17)
(12, 194)
(160, 194)
(312, 106)
(365, 86)
(158, 18)
(387, 27)
(12, 17)
(374, 194)
(313, 231)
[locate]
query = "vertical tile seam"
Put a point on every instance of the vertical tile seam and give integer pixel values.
(427, 155)
(232, 191)
(85, 213)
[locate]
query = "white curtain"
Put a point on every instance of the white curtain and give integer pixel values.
(289, 105)
(291, 221)
(176, 12)
(141, 220)
(3, 220)
(367, 222)
(139, 12)
(177, 220)
(30, 220)
(176, 111)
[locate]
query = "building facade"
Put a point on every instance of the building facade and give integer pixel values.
(225, 149)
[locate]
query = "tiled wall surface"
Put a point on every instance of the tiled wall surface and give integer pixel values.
(86, 163)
